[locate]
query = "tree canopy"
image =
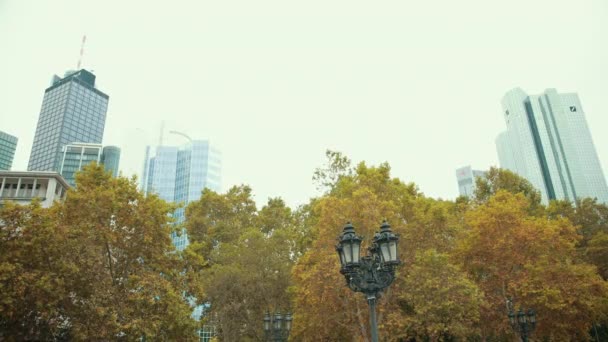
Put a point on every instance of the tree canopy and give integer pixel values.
(101, 265)
(249, 252)
(98, 266)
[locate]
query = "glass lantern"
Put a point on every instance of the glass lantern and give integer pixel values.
(387, 244)
(349, 246)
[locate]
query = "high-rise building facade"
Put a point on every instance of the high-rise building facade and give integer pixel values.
(180, 173)
(78, 155)
(548, 142)
(466, 180)
(73, 110)
(8, 144)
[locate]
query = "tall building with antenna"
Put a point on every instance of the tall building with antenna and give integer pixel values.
(73, 110)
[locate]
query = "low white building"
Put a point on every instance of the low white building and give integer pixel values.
(23, 186)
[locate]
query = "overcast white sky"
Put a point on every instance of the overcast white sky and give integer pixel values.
(273, 84)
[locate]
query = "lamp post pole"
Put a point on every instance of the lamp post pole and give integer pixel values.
(371, 301)
(370, 274)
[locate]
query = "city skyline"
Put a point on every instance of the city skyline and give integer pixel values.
(273, 100)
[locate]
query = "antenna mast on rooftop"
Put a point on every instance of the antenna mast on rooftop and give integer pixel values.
(84, 40)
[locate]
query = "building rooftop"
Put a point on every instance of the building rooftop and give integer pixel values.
(35, 174)
(82, 77)
(8, 137)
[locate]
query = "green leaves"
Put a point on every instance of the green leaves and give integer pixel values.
(249, 255)
(442, 302)
(501, 179)
(462, 260)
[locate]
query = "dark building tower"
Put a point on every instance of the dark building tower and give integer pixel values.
(73, 110)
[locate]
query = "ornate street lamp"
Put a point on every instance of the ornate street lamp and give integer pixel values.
(521, 322)
(277, 327)
(370, 274)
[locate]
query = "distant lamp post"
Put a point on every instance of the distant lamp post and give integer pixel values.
(522, 322)
(277, 327)
(370, 274)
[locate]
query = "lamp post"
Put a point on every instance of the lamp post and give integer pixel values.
(370, 274)
(277, 327)
(522, 322)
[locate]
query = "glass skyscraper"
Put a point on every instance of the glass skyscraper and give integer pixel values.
(180, 173)
(73, 110)
(548, 142)
(78, 155)
(8, 144)
(466, 180)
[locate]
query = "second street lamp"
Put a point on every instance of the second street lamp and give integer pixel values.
(523, 323)
(277, 327)
(370, 274)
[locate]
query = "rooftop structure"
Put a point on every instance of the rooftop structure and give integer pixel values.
(23, 186)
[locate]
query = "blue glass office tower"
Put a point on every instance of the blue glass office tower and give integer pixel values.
(180, 173)
(8, 144)
(73, 110)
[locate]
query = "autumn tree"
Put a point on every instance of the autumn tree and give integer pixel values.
(249, 252)
(99, 266)
(366, 196)
(220, 218)
(587, 214)
(250, 277)
(497, 179)
(436, 301)
(596, 253)
(511, 254)
(591, 220)
(336, 166)
(35, 275)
